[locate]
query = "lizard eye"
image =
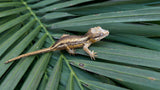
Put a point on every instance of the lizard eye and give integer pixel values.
(101, 34)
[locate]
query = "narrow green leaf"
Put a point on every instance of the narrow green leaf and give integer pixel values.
(129, 13)
(32, 81)
(84, 75)
(43, 3)
(76, 85)
(103, 7)
(153, 3)
(54, 78)
(137, 29)
(10, 4)
(94, 85)
(126, 54)
(56, 15)
(76, 80)
(4, 46)
(137, 40)
(17, 50)
(61, 5)
(32, 1)
(19, 70)
(10, 32)
(65, 73)
(12, 11)
(43, 82)
(147, 79)
(147, 14)
(13, 22)
(6, 19)
(70, 82)
(61, 87)
(5, 0)
(151, 30)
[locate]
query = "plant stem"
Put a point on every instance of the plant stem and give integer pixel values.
(72, 72)
(34, 15)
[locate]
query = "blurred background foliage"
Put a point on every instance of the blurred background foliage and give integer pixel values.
(128, 58)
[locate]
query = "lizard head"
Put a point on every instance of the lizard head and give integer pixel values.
(97, 33)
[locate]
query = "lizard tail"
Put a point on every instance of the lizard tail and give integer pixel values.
(30, 54)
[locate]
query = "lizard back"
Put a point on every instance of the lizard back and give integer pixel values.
(70, 41)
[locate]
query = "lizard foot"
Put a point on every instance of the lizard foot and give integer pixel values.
(93, 55)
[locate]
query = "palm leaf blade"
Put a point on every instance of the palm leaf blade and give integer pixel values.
(121, 73)
(17, 35)
(55, 76)
(19, 48)
(43, 3)
(70, 83)
(137, 40)
(37, 72)
(19, 70)
(61, 5)
(98, 85)
(10, 4)
(5, 36)
(56, 15)
(127, 59)
(121, 28)
(13, 22)
(125, 16)
(12, 11)
(121, 53)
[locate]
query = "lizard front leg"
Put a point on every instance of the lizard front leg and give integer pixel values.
(92, 54)
(70, 51)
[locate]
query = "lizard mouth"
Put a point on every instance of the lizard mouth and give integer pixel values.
(102, 35)
(105, 33)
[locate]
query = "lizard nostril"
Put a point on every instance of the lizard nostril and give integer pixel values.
(107, 32)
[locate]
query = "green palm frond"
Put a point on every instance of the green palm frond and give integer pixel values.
(127, 59)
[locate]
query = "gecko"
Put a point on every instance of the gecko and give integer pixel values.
(70, 42)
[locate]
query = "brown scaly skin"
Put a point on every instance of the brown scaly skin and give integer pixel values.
(69, 43)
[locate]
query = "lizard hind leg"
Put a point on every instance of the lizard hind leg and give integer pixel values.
(70, 51)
